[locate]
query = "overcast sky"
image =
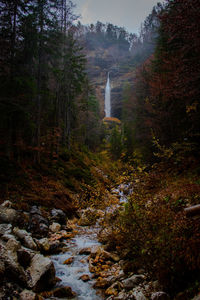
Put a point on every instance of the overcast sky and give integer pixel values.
(124, 13)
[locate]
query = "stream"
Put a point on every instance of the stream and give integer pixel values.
(86, 237)
(70, 274)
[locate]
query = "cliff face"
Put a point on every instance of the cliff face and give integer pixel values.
(112, 59)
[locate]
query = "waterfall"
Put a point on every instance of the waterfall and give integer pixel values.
(107, 98)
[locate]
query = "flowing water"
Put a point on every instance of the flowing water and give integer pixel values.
(70, 274)
(107, 98)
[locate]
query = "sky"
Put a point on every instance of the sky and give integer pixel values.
(124, 13)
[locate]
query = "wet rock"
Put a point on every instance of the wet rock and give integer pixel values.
(25, 238)
(55, 227)
(58, 216)
(160, 296)
(132, 282)
(68, 261)
(8, 215)
(55, 247)
(64, 292)
(5, 229)
(28, 295)
(85, 251)
(102, 283)
(111, 291)
(41, 273)
(85, 277)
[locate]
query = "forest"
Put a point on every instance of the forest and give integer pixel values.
(133, 177)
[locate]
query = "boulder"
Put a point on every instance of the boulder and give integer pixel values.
(160, 296)
(121, 296)
(55, 227)
(5, 229)
(85, 278)
(132, 281)
(138, 294)
(63, 292)
(13, 245)
(8, 215)
(28, 295)
(7, 204)
(111, 291)
(25, 238)
(38, 225)
(58, 216)
(110, 256)
(35, 210)
(44, 245)
(85, 251)
(24, 257)
(68, 261)
(41, 273)
(9, 262)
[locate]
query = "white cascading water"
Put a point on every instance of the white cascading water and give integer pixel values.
(107, 98)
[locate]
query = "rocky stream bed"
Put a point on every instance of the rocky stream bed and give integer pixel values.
(45, 256)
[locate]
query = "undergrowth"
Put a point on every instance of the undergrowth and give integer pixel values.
(153, 231)
(76, 179)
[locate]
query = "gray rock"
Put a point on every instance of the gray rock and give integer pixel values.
(38, 225)
(13, 270)
(8, 215)
(55, 227)
(58, 216)
(28, 295)
(24, 256)
(7, 203)
(29, 243)
(132, 282)
(35, 210)
(160, 296)
(13, 245)
(7, 237)
(25, 238)
(121, 296)
(5, 229)
(138, 294)
(44, 245)
(41, 273)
